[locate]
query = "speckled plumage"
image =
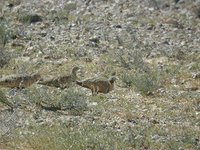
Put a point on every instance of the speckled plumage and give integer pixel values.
(98, 85)
(19, 81)
(61, 81)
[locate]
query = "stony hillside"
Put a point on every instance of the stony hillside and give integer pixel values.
(151, 46)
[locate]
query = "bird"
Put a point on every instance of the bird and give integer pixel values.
(61, 81)
(98, 85)
(19, 81)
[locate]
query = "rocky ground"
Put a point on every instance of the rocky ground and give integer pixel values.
(152, 45)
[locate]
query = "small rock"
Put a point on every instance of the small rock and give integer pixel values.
(88, 59)
(35, 18)
(195, 75)
(94, 39)
(154, 121)
(43, 33)
(155, 137)
(132, 121)
(118, 26)
(174, 81)
(46, 57)
(30, 18)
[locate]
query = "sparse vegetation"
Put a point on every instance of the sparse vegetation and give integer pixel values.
(3, 35)
(29, 18)
(144, 82)
(4, 57)
(196, 10)
(14, 2)
(74, 101)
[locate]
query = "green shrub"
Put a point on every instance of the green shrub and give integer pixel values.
(3, 35)
(127, 79)
(74, 101)
(70, 6)
(4, 57)
(62, 15)
(29, 18)
(145, 82)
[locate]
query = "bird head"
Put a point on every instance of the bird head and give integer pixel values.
(74, 71)
(36, 76)
(112, 79)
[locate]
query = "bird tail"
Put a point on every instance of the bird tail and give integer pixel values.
(79, 83)
(42, 82)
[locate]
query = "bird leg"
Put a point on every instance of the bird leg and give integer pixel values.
(93, 90)
(20, 85)
(97, 89)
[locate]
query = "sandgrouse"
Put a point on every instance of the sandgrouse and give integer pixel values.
(98, 85)
(61, 81)
(19, 81)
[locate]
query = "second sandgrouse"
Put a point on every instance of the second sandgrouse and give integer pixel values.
(61, 81)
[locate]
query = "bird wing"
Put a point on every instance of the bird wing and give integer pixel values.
(88, 83)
